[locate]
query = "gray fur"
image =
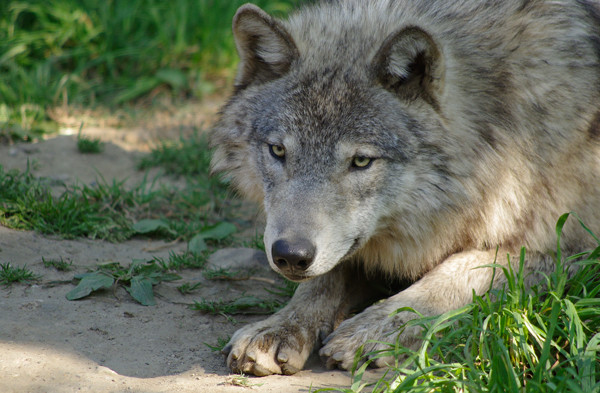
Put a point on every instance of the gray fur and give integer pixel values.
(483, 125)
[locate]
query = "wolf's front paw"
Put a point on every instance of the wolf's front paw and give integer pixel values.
(273, 346)
(372, 328)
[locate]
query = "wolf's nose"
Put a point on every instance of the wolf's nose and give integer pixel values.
(293, 256)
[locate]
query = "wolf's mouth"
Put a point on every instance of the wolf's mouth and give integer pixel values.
(297, 277)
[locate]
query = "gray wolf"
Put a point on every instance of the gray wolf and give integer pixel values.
(406, 141)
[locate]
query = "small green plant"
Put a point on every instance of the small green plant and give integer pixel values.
(242, 381)
(185, 260)
(241, 305)
(87, 145)
(187, 288)
(137, 279)
(286, 290)
(221, 342)
(257, 241)
(58, 264)
(10, 274)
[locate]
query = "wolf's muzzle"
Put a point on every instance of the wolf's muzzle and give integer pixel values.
(293, 257)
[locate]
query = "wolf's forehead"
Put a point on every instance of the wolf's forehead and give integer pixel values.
(315, 131)
(321, 116)
(313, 104)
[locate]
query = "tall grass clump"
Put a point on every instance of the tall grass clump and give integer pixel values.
(111, 52)
(544, 339)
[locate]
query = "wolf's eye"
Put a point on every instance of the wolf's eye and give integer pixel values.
(360, 162)
(277, 151)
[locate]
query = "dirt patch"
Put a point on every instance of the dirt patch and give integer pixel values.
(108, 342)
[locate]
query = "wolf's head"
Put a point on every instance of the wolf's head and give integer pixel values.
(333, 138)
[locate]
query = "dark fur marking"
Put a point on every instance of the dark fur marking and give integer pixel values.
(594, 129)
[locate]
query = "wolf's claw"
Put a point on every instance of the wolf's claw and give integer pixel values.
(269, 348)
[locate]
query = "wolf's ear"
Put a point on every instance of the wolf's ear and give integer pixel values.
(410, 64)
(265, 47)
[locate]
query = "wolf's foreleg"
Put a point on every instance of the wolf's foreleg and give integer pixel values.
(448, 286)
(281, 343)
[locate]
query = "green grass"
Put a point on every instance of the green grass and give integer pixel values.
(186, 260)
(218, 347)
(286, 290)
(188, 156)
(59, 264)
(539, 340)
(10, 274)
(222, 274)
(105, 211)
(87, 145)
(241, 380)
(188, 287)
(95, 212)
(90, 52)
(241, 305)
(111, 211)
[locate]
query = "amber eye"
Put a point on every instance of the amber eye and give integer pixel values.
(360, 162)
(277, 151)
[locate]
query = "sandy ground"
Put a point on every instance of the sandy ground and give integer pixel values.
(108, 342)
